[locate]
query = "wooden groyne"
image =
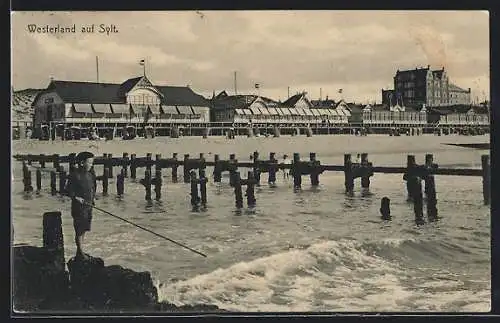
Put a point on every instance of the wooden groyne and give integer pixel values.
(413, 173)
(196, 163)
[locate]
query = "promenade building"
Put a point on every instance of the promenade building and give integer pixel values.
(135, 102)
(298, 109)
(459, 115)
(383, 115)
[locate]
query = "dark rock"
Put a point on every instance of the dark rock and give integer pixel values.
(38, 278)
(42, 285)
(112, 286)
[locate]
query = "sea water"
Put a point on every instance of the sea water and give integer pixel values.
(313, 250)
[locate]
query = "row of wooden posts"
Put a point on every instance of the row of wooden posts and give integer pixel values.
(414, 174)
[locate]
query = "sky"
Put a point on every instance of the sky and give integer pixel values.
(285, 52)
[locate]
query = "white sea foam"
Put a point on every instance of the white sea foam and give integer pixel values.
(327, 276)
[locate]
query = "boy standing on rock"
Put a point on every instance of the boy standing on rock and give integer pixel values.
(81, 189)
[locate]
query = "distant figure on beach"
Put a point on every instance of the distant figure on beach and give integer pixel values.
(358, 159)
(286, 161)
(81, 189)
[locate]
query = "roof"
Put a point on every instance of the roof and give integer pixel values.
(292, 100)
(438, 73)
(419, 72)
(380, 107)
(181, 95)
(86, 92)
(454, 88)
(128, 85)
(458, 108)
(223, 94)
(90, 92)
(233, 101)
(24, 98)
(323, 103)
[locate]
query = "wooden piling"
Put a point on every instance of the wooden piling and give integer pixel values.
(273, 167)
(42, 161)
(217, 169)
(133, 167)
(485, 166)
(55, 161)
(314, 176)
(296, 171)
(149, 165)
(53, 238)
(418, 203)
(256, 167)
(233, 167)
(365, 180)
(38, 180)
(158, 178)
(348, 174)
(125, 165)
(105, 182)
(105, 162)
(25, 169)
(409, 176)
(62, 180)
(72, 162)
(430, 188)
(147, 184)
(174, 168)
(202, 164)
(27, 182)
(52, 231)
(186, 169)
(53, 180)
(120, 183)
(429, 178)
(203, 187)
(195, 199)
(385, 208)
(250, 192)
(238, 193)
(110, 165)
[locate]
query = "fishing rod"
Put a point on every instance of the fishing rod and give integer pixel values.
(145, 229)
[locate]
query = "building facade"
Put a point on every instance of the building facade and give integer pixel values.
(136, 100)
(458, 95)
(298, 109)
(424, 87)
(396, 115)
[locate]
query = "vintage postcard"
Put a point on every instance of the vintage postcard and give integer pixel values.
(250, 161)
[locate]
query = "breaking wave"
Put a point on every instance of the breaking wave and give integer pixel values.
(344, 275)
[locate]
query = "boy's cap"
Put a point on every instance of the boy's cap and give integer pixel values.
(84, 155)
